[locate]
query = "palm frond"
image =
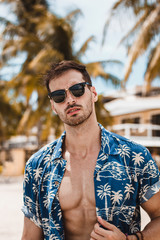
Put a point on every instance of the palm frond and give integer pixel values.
(136, 26)
(23, 121)
(13, 30)
(46, 55)
(4, 21)
(95, 69)
(138, 8)
(117, 7)
(102, 64)
(111, 78)
(153, 68)
(136, 5)
(73, 15)
(85, 46)
(9, 52)
(143, 40)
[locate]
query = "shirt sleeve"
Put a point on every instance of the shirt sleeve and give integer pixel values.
(30, 196)
(150, 179)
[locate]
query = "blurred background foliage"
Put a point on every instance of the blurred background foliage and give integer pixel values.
(144, 36)
(43, 37)
(38, 36)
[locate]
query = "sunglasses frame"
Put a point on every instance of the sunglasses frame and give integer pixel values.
(50, 95)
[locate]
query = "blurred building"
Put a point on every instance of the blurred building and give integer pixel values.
(137, 117)
(14, 154)
(17, 150)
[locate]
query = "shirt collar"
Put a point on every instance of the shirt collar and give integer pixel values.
(57, 154)
(107, 144)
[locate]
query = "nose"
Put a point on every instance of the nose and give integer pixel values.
(69, 97)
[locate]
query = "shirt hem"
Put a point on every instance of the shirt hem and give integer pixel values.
(31, 216)
(151, 192)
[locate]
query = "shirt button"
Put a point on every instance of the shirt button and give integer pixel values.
(56, 183)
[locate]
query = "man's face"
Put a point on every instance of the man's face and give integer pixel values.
(74, 110)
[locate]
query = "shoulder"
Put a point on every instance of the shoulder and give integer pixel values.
(123, 146)
(132, 145)
(42, 156)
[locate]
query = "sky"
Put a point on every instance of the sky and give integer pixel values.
(91, 22)
(95, 14)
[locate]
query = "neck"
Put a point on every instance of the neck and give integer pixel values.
(84, 137)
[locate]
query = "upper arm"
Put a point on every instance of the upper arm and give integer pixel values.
(152, 206)
(31, 206)
(31, 231)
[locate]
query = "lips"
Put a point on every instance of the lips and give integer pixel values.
(73, 110)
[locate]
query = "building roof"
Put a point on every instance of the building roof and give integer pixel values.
(126, 103)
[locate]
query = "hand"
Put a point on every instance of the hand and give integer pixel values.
(110, 232)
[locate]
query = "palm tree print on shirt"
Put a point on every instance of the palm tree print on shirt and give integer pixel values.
(116, 198)
(103, 192)
(124, 151)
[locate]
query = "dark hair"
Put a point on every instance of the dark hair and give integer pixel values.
(58, 69)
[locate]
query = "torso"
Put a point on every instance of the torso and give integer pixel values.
(77, 197)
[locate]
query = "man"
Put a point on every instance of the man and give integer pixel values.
(89, 183)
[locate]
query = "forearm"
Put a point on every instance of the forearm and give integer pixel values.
(31, 231)
(150, 232)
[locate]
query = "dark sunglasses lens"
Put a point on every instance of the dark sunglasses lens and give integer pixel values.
(77, 90)
(58, 96)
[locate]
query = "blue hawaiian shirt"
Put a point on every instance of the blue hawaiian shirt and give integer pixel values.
(125, 176)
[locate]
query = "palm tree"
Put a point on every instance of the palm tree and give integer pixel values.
(144, 34)
(10, 113)
(44, 38)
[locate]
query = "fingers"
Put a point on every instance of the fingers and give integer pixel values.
(97, 238)
(109, 232)
(105, 224)
(98, 233)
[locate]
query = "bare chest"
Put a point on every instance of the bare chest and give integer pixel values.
(77, 186)
(77, 196)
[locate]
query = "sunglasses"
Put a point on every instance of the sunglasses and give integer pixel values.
(76, 90)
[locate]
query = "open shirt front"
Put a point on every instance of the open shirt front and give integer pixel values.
(125, 176)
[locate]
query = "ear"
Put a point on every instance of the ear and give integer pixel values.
(52, 106)
(94, 93)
